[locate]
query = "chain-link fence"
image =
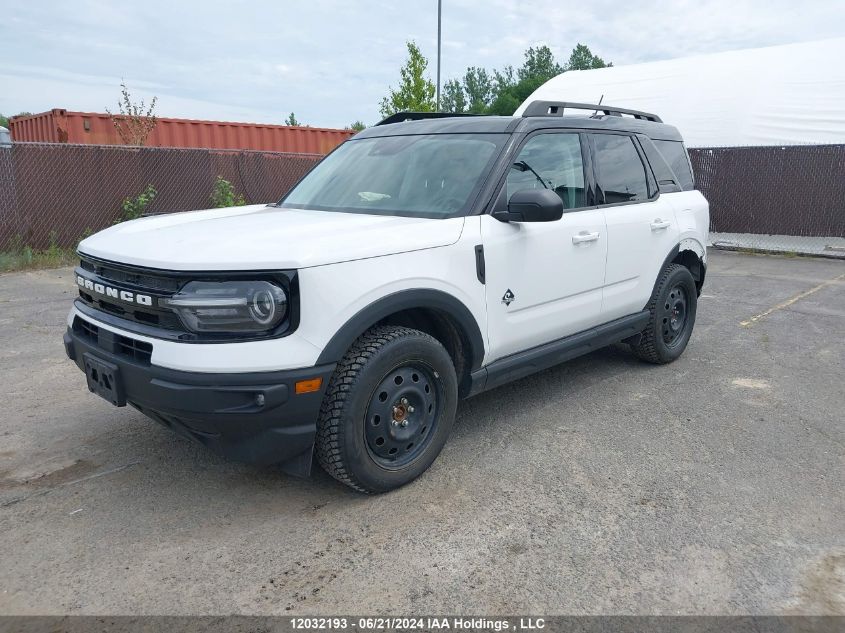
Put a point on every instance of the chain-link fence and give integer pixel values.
(776, 199)
(55, 194)
(782, 199)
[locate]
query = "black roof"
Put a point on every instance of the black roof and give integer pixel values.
(438, 123)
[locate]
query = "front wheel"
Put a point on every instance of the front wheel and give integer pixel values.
(388, 409)
(672, 310)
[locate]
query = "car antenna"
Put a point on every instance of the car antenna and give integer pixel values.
(599, 103)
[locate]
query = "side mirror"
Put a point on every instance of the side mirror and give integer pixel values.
(533, 205)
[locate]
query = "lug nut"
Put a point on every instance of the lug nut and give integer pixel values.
(410, 409)
(404, 423)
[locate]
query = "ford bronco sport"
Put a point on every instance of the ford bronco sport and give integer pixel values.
(426, 259)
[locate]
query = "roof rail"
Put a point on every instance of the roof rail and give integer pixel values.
(556, 108)
(399, 117)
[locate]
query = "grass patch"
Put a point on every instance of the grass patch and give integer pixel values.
(18, 256)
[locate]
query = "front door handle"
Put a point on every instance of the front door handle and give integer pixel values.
(659, 225)
(585, 236)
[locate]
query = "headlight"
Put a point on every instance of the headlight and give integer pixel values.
(229, 306)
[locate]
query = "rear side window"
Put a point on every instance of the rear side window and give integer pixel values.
(676, 155)
(620, 172)
(666, 178)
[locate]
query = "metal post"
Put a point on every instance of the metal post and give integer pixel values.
(439, 13)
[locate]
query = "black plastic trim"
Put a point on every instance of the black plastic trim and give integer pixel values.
(557, 108)
(397, 302)
(401, 117)
(254, 417)
(480, 268)
(666, 261)
(536, 359)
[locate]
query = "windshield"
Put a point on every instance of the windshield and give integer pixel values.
(434, 176)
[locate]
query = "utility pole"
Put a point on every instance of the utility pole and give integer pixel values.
(439, 14)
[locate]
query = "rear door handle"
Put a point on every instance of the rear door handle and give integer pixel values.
(659, 225)
(585, 236)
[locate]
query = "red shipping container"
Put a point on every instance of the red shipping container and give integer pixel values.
(93, 128)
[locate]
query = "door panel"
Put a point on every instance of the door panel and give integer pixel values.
(544, 279)
(641, 226)
(640, 237)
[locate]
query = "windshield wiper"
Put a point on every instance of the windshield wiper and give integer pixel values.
(523, 166)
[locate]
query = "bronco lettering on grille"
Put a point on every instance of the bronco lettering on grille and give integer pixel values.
(114, 293)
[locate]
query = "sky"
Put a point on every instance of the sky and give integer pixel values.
(331, 61)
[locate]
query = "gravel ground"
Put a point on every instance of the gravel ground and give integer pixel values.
(713, 485)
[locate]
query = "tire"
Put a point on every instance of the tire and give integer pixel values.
(388, 409)
(672, 308)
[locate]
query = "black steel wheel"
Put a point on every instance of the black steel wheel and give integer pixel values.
(672, 309)
(402, 415)
(388, 409)
(674, 315)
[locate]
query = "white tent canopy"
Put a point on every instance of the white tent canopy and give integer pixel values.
(779, 95)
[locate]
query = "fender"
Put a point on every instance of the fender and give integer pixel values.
(397, 302)
(683, 245)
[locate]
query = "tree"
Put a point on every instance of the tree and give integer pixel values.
(4, 121)
(582, 58)
(416, 91)
(133, 124)
(478, 87)
(357, 126)
(512, 88)
(291, 120)
(453, 98)
(539, 62)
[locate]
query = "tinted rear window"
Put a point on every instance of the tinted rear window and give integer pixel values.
(676, 155)
(620, 172)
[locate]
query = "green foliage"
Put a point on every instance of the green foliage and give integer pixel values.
(453, 98)
(224, 194)
(357, 126)
(479, 87)
(582, 58)
(291, 120)
(17, 255)
(415, 92)
(539, 62)
(503, 90)
(512, 88)
(134, 123)
(133, 208)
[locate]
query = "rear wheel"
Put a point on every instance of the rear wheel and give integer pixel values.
(672, 310)
(388, 409)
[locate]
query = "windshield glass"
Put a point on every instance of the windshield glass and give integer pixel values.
(435, 175)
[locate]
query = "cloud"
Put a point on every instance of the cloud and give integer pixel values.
(331, 61)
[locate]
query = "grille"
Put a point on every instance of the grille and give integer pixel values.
(138, 351)
(126, 275)
(137, 281)
(86, 329)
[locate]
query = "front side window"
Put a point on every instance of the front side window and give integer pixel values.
(435, 175)
(620, 172)
(550, 161)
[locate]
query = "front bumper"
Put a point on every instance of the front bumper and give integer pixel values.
(252, 417)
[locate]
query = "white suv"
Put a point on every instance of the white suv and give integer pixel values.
(424, 260)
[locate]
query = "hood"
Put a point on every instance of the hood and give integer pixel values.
(260, 237)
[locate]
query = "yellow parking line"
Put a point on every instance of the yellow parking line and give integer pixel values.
(789, 302)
